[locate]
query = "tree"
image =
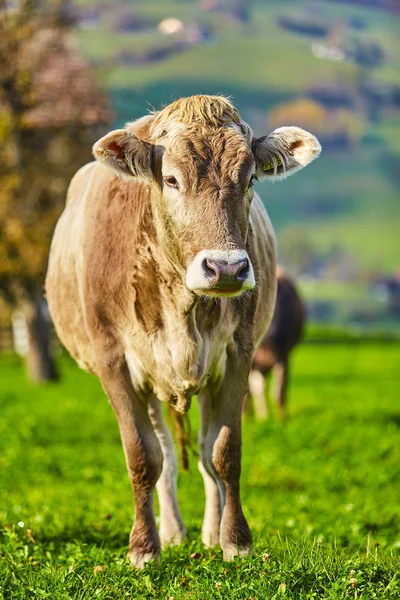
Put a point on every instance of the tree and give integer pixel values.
(337, 128)
(50, 109)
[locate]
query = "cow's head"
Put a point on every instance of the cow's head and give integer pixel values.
(201, 161)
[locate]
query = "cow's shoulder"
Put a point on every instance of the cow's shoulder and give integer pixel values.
(80, 181)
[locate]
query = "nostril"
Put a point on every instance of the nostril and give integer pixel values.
(243, 270)
(210, 269)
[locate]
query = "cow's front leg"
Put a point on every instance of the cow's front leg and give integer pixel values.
(213, 486)
(143, 458)
(172, 529)
(223, 448)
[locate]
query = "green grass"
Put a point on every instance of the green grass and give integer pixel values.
(321, 492)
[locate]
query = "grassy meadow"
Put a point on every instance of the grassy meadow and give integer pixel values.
(321, 492)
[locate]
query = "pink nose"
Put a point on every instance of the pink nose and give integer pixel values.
(223, 275)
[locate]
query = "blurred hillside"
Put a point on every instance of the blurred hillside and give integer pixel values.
(330, 66)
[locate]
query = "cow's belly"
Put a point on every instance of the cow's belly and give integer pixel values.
(64, 293)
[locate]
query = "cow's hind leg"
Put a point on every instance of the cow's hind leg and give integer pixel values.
(172, 529)
(214, 487)
(143, 457)
(257, 393)
(281, 377)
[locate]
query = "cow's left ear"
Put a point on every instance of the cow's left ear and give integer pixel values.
(124, 153)
(284, 151)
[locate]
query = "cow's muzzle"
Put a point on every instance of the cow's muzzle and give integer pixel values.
(220, 273)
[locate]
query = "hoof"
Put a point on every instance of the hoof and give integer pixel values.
(140, 559)
(210, 538)
(231, 551)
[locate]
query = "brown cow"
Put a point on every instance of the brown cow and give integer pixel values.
(284, 333)
(151, 286)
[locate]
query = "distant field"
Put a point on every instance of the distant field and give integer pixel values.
(348, 198)
(321, 492)
(260, 54)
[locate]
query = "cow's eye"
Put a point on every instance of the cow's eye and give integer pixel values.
(253, 178)
(171, 182)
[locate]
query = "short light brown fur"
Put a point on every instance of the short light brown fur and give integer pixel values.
(117, 294)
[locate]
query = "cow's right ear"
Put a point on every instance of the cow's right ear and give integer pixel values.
(124, 153)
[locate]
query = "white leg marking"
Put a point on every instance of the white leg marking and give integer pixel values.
(172, 529)
(213, 486)
(212, 511)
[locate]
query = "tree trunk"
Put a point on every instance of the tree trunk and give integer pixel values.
(39, 359)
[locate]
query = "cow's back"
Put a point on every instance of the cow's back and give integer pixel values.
(287, 324)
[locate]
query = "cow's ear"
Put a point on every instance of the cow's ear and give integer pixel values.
(124, 153)
(141, 127)
(284, 151)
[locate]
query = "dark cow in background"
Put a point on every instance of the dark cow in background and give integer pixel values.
(272, 355)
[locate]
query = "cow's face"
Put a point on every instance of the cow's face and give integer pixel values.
(202, 176)
(206, 182)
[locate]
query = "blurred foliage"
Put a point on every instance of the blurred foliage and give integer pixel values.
(49, 106)
(49, 111)
(329, 124)
(296, 250)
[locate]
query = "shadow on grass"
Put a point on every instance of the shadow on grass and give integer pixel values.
(100, 536)
(92, 536)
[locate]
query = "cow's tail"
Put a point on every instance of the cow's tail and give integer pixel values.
(183, 435)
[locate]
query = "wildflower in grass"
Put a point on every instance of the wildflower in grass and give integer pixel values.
(30, 536)
(282, 588)
(265, 557)
(353, 580)
(98, 569)
(218, 585)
